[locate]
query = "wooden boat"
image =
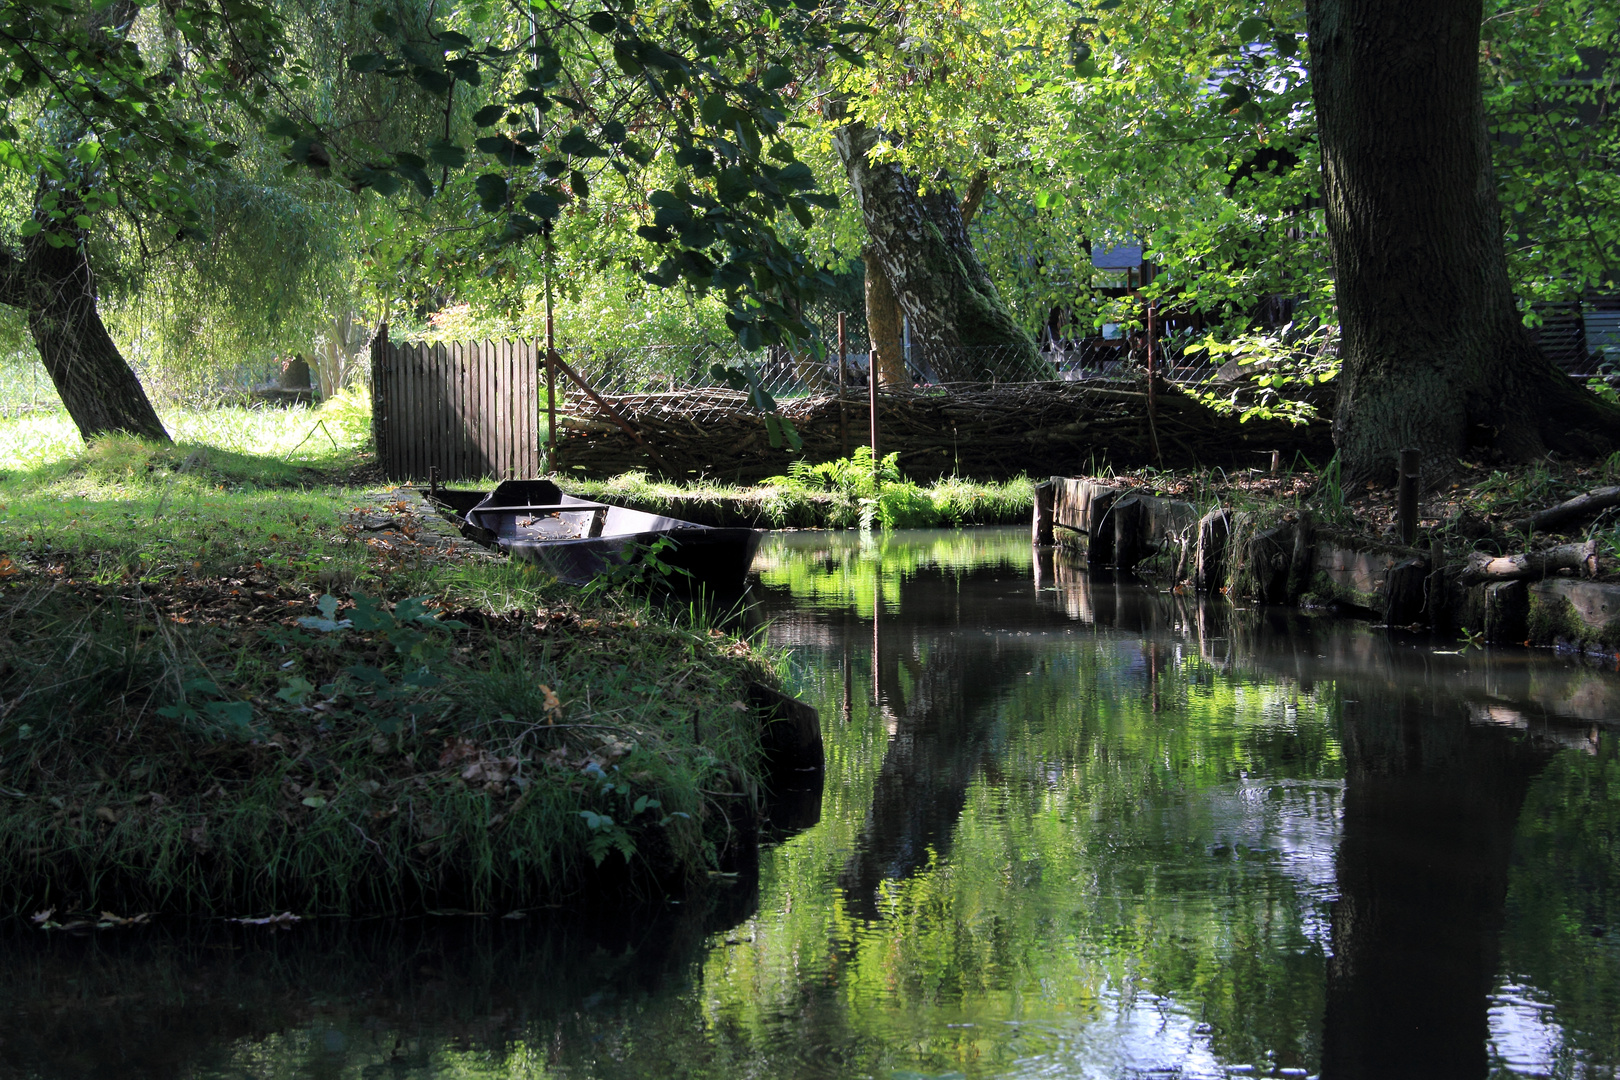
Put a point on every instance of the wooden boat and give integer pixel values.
(578, 540)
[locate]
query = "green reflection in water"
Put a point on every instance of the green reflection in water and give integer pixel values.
(1039, 850)
(1561, 943)
(859, 569)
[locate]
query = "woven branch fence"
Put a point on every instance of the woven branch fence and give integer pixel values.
(983, 431)
(472, 410)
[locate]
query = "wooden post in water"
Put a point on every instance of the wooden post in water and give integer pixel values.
(877, 643)
(871, 386)
(1406, 502)
(1045, 507)
(843, 423)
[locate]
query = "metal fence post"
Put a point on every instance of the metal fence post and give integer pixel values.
(843, 424)
(1152, 388)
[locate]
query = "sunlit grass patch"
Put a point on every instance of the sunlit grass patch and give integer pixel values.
(329, 435)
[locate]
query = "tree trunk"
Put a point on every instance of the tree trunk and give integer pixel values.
(959, 322)
(884, 325)
(56, 288)
(1435, 355)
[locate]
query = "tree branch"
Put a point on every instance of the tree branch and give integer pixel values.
(1533, 565)
(1578, 507)
(974, 195)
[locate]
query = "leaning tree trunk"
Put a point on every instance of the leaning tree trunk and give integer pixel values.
(55, 287)
(958, 318)
(1435, 355)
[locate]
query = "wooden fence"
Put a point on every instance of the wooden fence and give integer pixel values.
(469, 409)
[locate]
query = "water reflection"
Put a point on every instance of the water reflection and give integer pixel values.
(1071, 827)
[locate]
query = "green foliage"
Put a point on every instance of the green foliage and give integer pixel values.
(640, 568)
(689, 122)
(1548, 73)
(1287, 365)
(84, 107)
(879, 495)
(746, 377)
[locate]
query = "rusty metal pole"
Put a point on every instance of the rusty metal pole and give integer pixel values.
(1406, 498)
(551, 367)
(843, 421)
(872, 388)
(1152, 388)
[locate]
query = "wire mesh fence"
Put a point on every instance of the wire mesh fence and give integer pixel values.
(693, 380)
(26, 387)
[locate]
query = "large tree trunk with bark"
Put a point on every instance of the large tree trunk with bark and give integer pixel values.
(1435, 354)
(883, 325)
(959, 322)
(55, 287)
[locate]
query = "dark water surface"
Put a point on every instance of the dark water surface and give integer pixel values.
(1070, 828)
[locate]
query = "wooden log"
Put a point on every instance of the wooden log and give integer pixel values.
(1214, 532)
(1404, 591)
(1406, 499)
(1270, 555)
(1302, 561)
(1128, 518)
(1570, 510)
(1434, 600)
(1531, 566)
(1507, 612)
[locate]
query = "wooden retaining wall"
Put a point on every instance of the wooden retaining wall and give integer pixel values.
(468, 409)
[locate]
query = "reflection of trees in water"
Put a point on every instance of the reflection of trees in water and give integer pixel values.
(1563, 907)
(1430, 808)
(1434, 791)
(941, 709)
(338, 997)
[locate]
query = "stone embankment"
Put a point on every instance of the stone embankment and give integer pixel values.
(1286, 557)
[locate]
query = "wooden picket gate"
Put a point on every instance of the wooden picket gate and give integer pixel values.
(468, 409)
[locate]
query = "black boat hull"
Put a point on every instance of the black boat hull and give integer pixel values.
(578, 541)
(714, 560)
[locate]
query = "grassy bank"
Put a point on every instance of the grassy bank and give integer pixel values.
(240, 678)
(843, 494)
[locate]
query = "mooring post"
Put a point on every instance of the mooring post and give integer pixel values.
(1045, 504)
(843, 423)
(1406, 500)
(871, 386)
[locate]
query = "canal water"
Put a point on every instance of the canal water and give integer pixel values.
(1069, 827)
